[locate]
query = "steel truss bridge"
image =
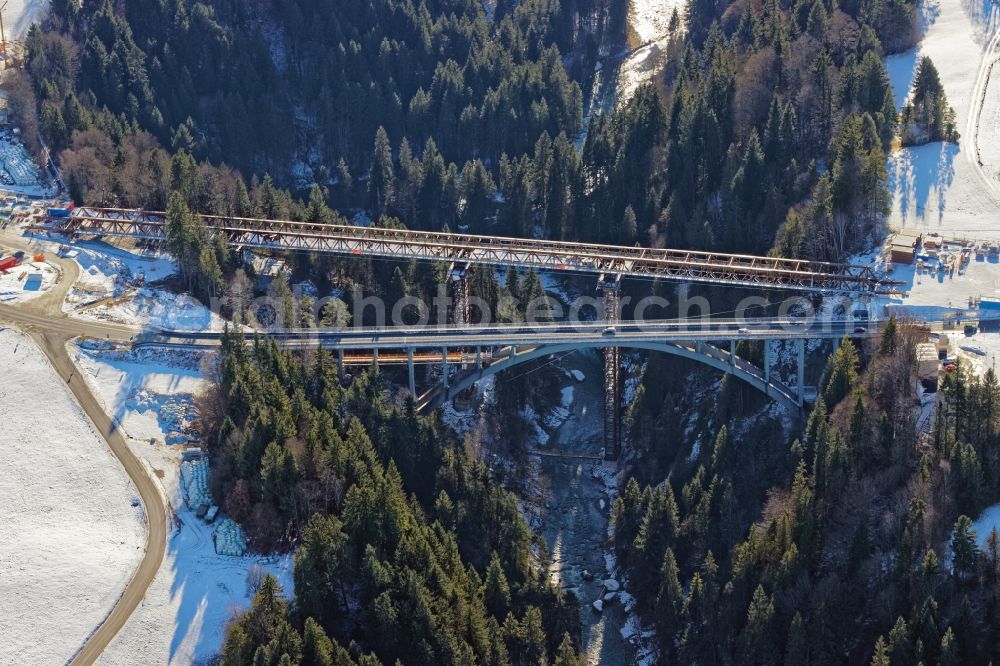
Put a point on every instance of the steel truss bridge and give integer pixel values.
(468, 249)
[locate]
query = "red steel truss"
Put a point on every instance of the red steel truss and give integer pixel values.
(683, 265)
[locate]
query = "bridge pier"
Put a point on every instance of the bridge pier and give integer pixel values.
(409, 373)
(461, 314)
(767, 368)
(461, 295)
(444, 371)
(340, 365)
(767, 361)
(800, 369)
(612, 377)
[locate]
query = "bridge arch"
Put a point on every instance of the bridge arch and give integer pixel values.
(705, 353)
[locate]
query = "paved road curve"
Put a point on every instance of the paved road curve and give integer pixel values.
(44, 320)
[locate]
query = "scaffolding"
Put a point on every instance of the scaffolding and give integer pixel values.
(612, 375)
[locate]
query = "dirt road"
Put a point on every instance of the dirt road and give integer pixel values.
(50, 328)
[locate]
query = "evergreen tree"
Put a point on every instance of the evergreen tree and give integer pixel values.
(567, 655)
(964, 547)
(900, 644)
(881, 655)
(320, 565)
(496, 592)
(843, 374)
(797, 646)
(927, 116)
(889, 342)
(669, 602)
(382, 182)
(757, 639)
(949, 649)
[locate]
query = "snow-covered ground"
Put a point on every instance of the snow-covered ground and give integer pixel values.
(182, 619)
(111, 287)
(155, 308)
(926, 290)
(931, 296)
(649, 21)
(18, 171)
(27, 281)
(985, 523)
(70, 535)
(938, 186)
(148, 392)
(20, 14)
(466, 421)
(106, 270)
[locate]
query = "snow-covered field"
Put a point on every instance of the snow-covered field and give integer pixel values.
(26, 282)
(182, 619)
(70, 537)
(648, 23)
(938, 186)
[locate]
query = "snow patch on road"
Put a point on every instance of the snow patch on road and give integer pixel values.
(70, 537)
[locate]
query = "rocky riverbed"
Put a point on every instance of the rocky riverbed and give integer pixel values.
(577, 491)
